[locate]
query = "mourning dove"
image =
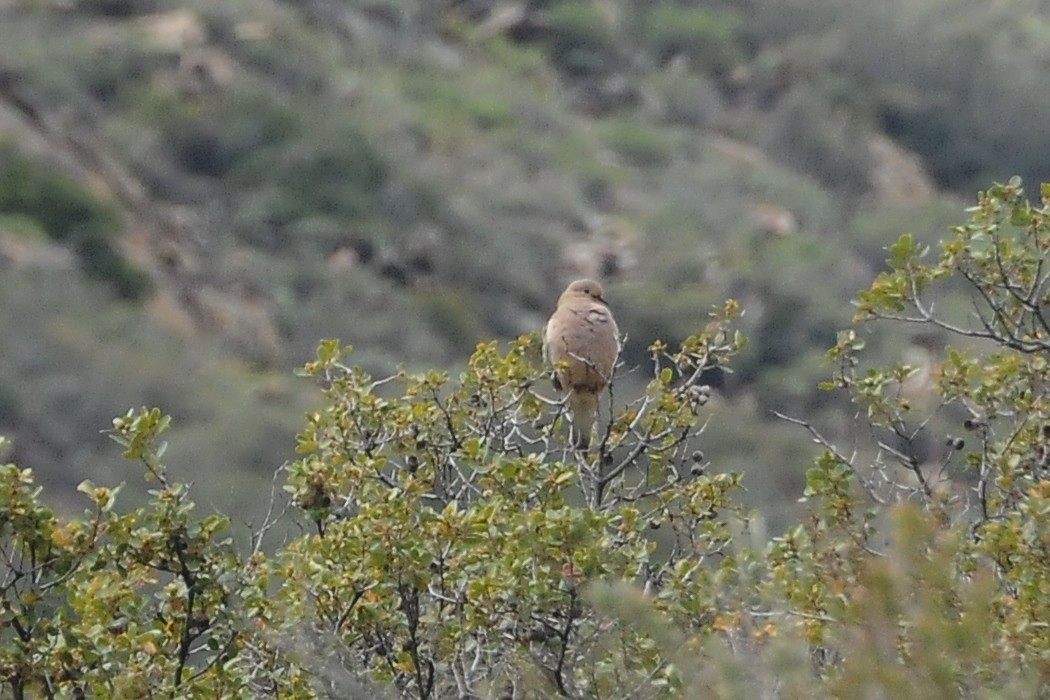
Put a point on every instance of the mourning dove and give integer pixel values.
(582, 334)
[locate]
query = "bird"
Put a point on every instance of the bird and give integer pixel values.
(582, 342)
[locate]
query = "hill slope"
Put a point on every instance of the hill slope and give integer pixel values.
(219, 185)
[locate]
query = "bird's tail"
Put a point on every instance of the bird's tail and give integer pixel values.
(584, 406)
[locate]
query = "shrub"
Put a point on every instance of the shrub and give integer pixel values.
(118, 8)
(220, 133)
(638, 143)
(457, 546)
(706, 36)
(825, 148)
(582, 40)
(70, 214)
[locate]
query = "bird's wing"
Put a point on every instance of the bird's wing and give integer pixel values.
(583, 334)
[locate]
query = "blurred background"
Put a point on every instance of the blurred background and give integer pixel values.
(192, 194)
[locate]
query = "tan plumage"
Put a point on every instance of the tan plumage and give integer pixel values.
(582, 334)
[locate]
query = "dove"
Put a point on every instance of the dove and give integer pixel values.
(582, 342)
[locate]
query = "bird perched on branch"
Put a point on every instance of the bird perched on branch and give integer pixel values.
(582, 342)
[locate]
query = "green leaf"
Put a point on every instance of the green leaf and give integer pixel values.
(902, 250)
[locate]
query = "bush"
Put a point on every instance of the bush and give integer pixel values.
(458, 547)
(70, 214)
(707, 37)
(448, 103)
(118, 8)
(335, 173)
(213, 137)
(638, 143)
(954, 81)
(582, 39)
(824, 147)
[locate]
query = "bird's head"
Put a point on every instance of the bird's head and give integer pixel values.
(585, 288)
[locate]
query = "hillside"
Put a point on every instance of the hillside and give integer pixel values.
(193, 194)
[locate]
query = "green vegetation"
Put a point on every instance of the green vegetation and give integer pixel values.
(450, 543)
(68, 213)
(583, 39)
(417, 177)
(637, 144)
(707, 37)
